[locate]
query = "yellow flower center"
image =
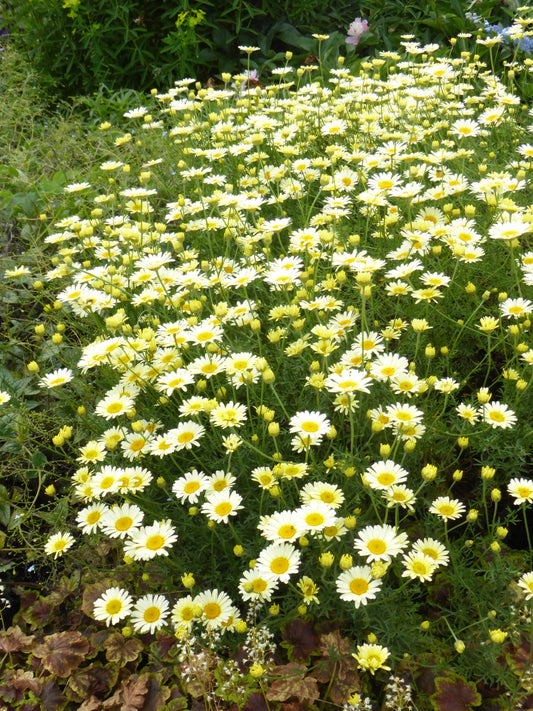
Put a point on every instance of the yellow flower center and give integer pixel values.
(212, 610)
(386, 478)
(330, 531)
(94, 517)
(259, 585)
(137, 444)
(113, 606)
(155, 542)
(430, 552)
(151, 614)
(524, 492)
(287, 531)
(420, 568)
(187, 614)
(376, 546)
(115, 407)
(314, 519)
(191, 486)
(279, 565)
(358, 586)
(309, 426)
(123, 523)
(204, 336)
(106, 482)
(185, 437)
(223, 509)
(446, 509)
(174, 383)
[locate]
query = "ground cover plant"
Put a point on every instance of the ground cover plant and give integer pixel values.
(289, 328)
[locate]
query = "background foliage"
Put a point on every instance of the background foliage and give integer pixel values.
(78, 45)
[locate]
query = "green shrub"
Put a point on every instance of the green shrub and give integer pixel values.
(79, 45)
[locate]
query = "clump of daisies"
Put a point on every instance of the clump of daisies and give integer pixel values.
(307, 384)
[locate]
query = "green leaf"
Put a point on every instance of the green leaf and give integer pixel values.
(38, 459)
(5, 513)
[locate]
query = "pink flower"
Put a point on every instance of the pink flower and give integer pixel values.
(356, 30)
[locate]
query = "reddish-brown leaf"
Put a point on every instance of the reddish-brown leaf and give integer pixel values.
(90, 704)
(338, 669)
(256, 702)
(520, 655)
(62, 652)
(98, 639)
(14, 640)
(177, 700)
(295, 706)
(38, 614)
(301, 640)
(157, 693)
(64, 589)
(133, 692)
(122, 649)
(164, 647)
(51, 696)
(455, 694)
(293, 682)
(92, 593)
(16, 682)
(94, 679)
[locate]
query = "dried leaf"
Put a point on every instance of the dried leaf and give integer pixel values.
(300, 639)
(62, 652)
(338, 669)
(293, 682)
(14, 640)
(90, 704)
(121, 649)
(133, 692)
(455, 694)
